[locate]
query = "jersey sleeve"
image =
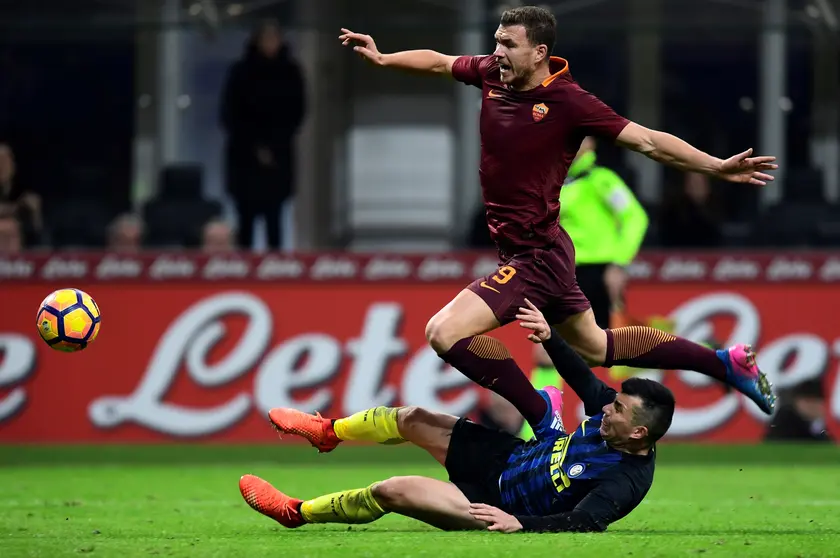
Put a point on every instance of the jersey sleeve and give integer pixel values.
(471, 69)
(589, 388)
(609, 501)
(594, 117)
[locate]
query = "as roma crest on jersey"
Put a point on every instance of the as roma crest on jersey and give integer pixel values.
(539, 111)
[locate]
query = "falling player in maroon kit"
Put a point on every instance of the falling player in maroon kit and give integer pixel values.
(533, 119)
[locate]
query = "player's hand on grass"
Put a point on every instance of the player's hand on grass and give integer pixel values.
(531, 318)
(747, 170)
(496, 519)
(365, 47)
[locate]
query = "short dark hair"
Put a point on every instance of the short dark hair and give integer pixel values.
(539, 23)
(657, 408)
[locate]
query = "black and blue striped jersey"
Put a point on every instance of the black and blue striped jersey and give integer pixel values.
(543, 477)
(575, 481)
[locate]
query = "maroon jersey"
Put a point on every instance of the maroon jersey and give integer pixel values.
(528, 141)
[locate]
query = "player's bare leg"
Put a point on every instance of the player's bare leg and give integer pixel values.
(584, 335)
(456, 333)
(464, 316)
(385, 425)
(438, 503)
(428, 430)
(646, 347)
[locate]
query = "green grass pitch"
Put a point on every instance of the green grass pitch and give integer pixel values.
(183, 501)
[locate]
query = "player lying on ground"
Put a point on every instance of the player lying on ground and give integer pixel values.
(533, 119)
(581, 481)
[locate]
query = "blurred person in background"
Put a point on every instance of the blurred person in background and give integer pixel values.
(14, 199)
(217, 236)
(263, 106)
(801, 415)
(607, 225)
(11, 236)
(125, 234)
(689, 218)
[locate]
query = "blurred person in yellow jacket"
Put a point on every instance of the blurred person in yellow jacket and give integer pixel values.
(607, 225)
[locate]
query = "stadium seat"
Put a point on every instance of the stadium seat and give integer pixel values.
(736, 234)
(176, 216)
(181, 182)
(828, 229)
(79, 223)
(89, 182)
(790, 224)
(177, 222)
(804, 185)
(800, 219)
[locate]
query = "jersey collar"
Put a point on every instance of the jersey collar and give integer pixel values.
(559, 65)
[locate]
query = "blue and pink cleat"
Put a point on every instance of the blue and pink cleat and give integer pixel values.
(743, 374)
(552, 423)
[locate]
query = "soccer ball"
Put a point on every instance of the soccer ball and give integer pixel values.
(68, 320)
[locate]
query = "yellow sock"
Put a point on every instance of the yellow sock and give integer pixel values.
(350, 506)
(373, 425)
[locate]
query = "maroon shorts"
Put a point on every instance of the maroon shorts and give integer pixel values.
(545, 276)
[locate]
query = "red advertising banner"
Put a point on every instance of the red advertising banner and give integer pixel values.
(649, 267)
(203, 358)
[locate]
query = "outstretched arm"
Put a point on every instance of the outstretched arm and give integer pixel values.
(592, 391)
(606, 503)
(595, 118)
(427, 61)
(672, 151)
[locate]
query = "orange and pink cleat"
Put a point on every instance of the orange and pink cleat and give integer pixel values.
(270, 502)
(317, 430)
